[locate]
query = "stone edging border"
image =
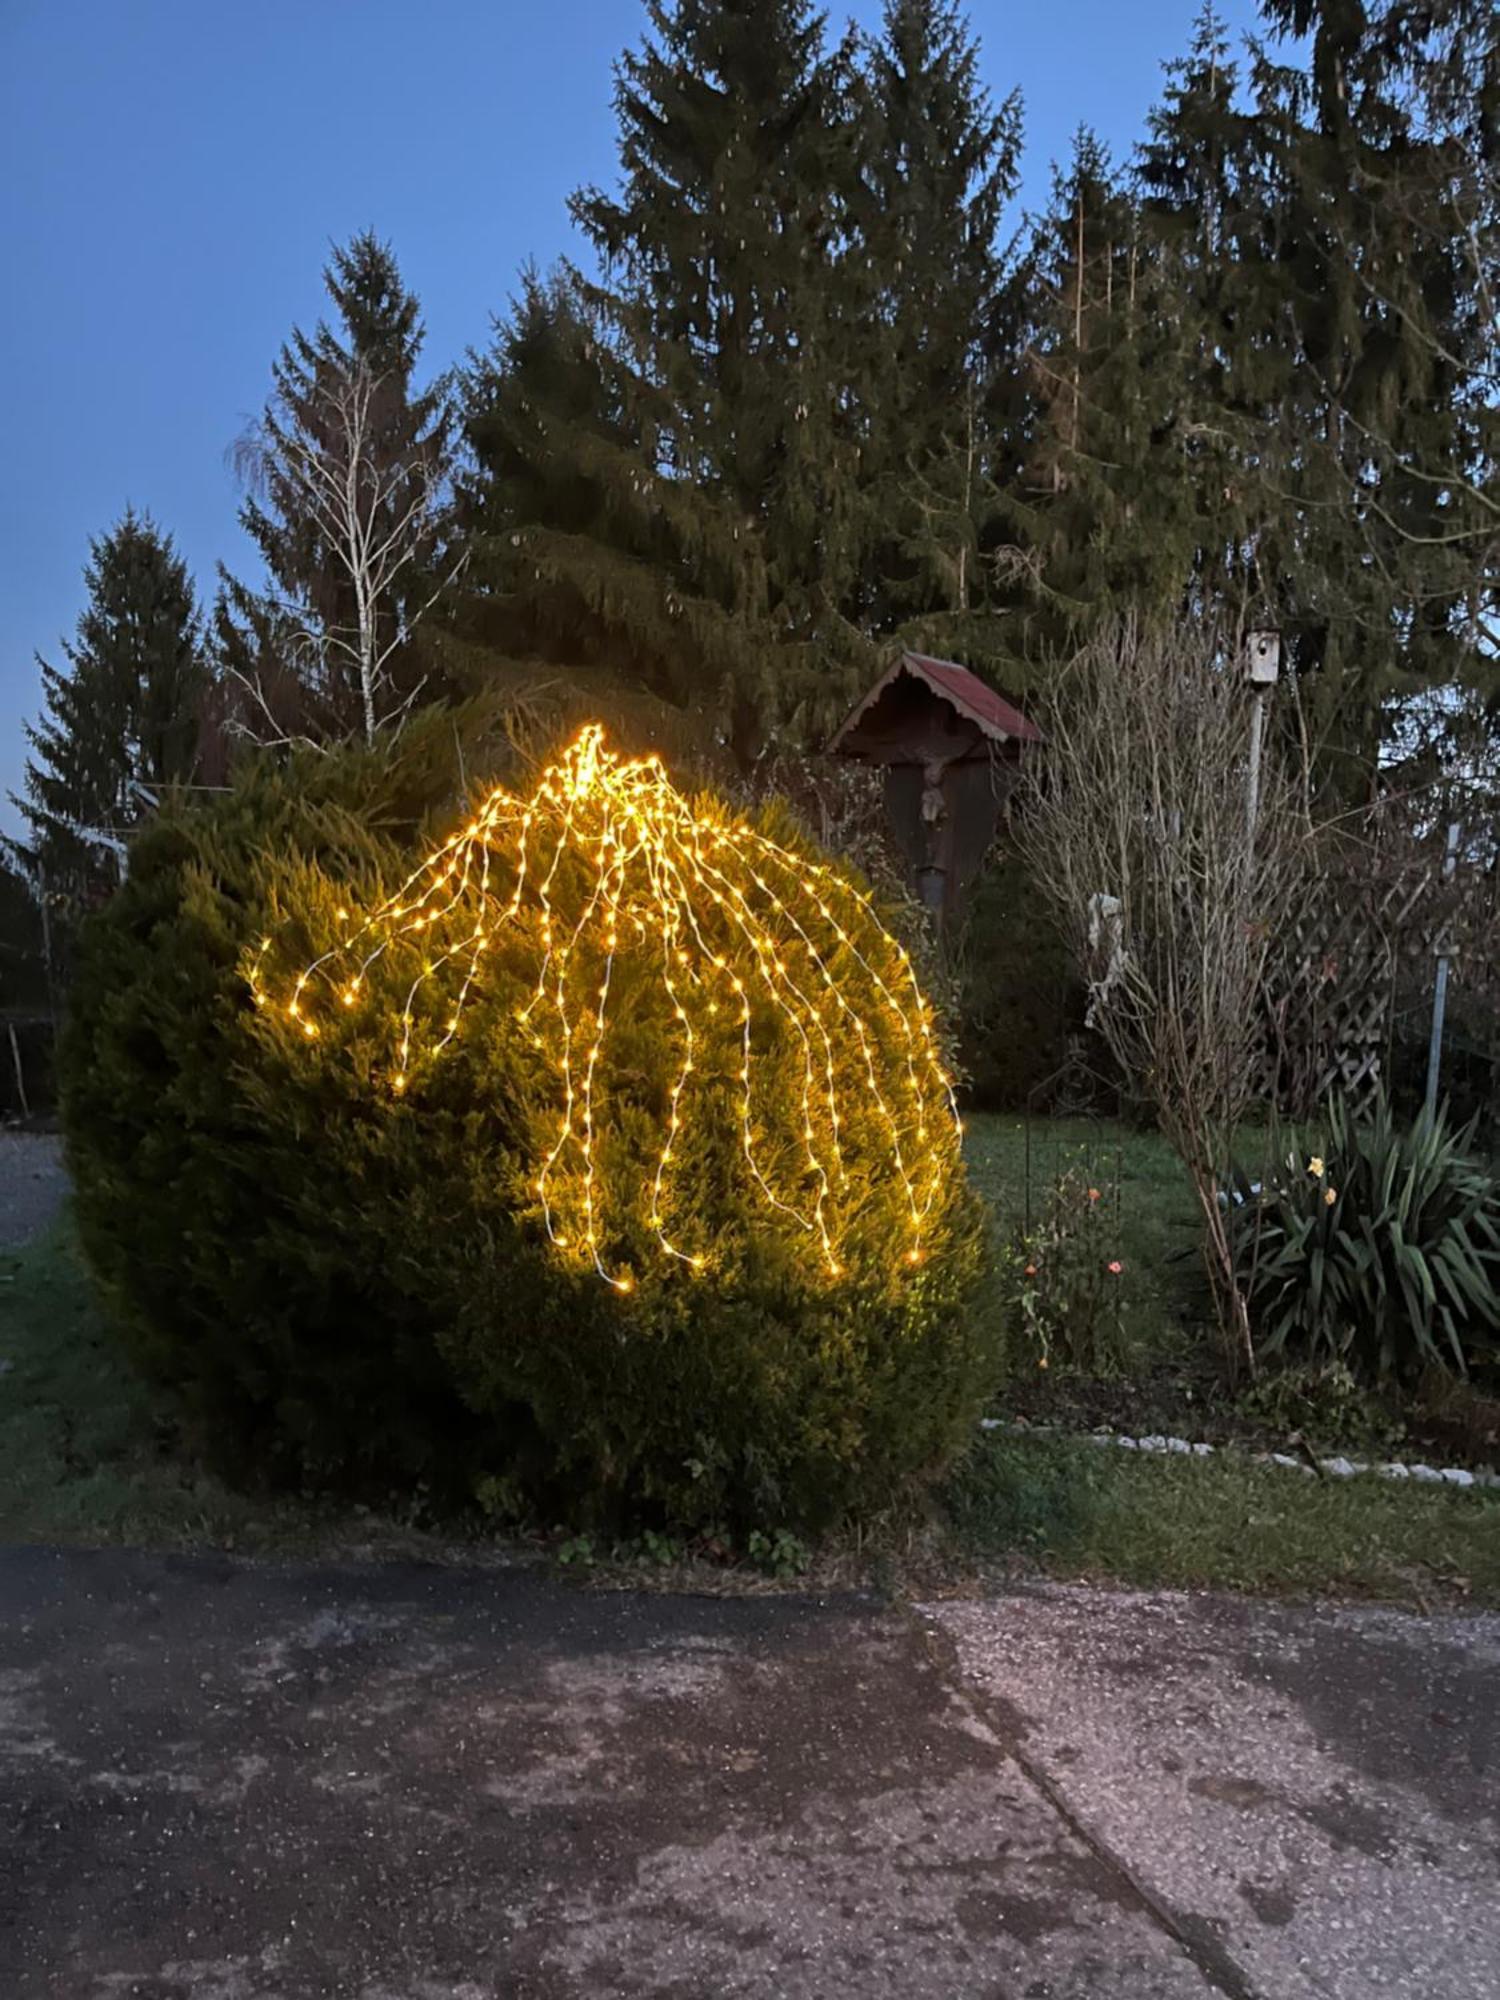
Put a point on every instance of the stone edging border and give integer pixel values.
(1331, 1468)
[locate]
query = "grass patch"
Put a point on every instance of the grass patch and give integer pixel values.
(1013, 1162)
(1223, 1522)
(86, 1453)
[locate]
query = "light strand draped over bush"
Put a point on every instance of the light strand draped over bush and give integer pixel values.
(761, 958)
(349, 1283)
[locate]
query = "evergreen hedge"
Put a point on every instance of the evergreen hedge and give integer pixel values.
(346, 1286)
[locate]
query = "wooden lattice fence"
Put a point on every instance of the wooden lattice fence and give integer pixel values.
(1362, 943)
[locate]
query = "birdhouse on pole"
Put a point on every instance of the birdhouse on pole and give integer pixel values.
(950, 747)
(1263, 659)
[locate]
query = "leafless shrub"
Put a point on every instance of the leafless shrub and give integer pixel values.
(1138, 831)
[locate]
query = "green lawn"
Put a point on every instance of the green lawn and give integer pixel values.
(87, 1456)
(1077, 1509)
(1224, 1522)
(1014, 1161)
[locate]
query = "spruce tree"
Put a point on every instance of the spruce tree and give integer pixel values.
(587, 553)
(1080, 411)
(700, 525)
(1217, 362)
(1254, 386)
(1402, 195)
(940, 164)
(24, 987)
(1331, 365)
(344, 402)
(1130, 426)
(730, 234)
(1328, 352)
(121, 717)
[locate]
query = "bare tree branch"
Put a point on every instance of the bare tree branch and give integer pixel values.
(1137, 832)
(376, 513)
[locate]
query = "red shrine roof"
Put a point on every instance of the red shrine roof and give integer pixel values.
(977, 702)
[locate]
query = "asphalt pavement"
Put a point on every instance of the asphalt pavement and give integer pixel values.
(225, 1780)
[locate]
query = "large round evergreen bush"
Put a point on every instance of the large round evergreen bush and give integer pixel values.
(344, 1229)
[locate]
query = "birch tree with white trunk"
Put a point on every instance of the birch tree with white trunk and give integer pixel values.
(347, 478)
(378, 519)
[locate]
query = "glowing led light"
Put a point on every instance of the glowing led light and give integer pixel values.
(771, 968)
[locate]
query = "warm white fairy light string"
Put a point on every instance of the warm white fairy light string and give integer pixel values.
(725, 916)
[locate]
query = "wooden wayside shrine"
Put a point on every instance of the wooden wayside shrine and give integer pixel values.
(951, 748)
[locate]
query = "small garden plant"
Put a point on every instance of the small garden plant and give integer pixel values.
(1068, 1277)
(1377, 1250)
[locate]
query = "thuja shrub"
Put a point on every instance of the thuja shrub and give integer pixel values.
(240, 1232)
(595, 1150)
(1019, 998)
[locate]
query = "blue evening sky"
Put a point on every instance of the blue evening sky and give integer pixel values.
(172, 173)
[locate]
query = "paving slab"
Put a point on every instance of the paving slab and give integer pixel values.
(1313, 1794)
(228, 1781)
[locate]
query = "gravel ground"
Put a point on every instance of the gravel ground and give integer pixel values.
(33, 1183)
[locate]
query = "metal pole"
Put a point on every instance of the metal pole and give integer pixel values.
(1257, 733)
(1262, 669)
(1440, 986)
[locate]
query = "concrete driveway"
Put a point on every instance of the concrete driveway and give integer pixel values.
(229, 1781)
